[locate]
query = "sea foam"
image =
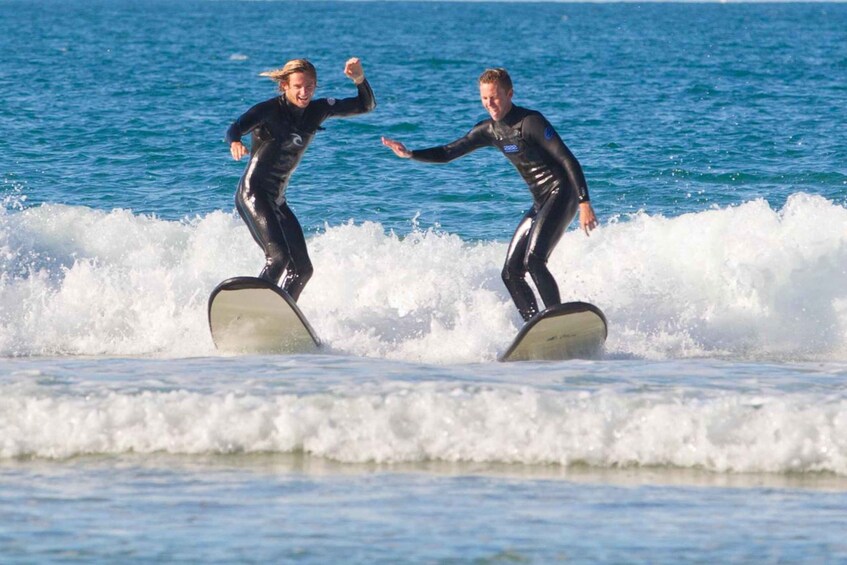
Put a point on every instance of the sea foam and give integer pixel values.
(746, 281)
(394, 422)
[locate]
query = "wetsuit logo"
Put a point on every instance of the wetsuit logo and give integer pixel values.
(297, 140)
(548, 132)
(510, 148)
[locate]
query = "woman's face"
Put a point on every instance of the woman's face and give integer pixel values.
(299, 89)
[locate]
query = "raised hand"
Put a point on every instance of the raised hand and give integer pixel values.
(353, 69)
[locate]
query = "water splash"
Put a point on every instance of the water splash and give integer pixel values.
(740, 282)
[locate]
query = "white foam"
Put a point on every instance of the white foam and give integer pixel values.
(453, 422)
(745, 282)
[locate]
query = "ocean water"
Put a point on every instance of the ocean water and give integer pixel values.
(712, 429)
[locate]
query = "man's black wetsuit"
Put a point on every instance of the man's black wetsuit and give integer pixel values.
(557, 184)
(280, 134)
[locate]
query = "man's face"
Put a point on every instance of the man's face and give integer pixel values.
(299, 89)
(495, 99)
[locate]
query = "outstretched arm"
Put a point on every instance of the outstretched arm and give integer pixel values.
(473, 140)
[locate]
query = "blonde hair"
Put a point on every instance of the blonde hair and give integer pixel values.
(497, 76)
(293, 66)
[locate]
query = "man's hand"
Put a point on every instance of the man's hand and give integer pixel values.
(398, 148)
(238, 150)
(587, 219)
(353, 69)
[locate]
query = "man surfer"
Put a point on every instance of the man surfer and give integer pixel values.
(554, 176)
(281, 128)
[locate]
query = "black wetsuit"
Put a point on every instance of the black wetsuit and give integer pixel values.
(556, 181)
(280, 134)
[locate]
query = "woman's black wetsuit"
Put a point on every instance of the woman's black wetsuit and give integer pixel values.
(556, 181)
(280, 134)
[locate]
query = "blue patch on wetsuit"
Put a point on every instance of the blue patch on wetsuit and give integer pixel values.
(510, 148)
(548, 132)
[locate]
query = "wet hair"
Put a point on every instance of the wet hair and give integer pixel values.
(498, 76)
(293, 66)
(298, 66)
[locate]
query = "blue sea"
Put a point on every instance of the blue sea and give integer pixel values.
(713, 429)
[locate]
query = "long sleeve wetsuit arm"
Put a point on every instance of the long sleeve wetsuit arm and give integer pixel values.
(248, 121)
(364, 102)
(473, 140)
(539, 130)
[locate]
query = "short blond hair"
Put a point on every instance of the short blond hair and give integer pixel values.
(293, 66)
(498, 76)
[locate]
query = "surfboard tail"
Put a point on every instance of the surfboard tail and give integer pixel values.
(251, 315)
(574, 330)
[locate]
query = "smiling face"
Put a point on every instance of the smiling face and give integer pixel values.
(495, 99)
(299, 88)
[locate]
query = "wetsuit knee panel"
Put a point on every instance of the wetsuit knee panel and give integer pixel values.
(513, 271)
(276, 252)
(533, 261)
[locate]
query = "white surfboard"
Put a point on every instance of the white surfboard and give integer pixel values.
(575, 330)
(251, 315)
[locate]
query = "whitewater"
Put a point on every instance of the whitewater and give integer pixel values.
(744, 282)
(727, 337)
(711, 429)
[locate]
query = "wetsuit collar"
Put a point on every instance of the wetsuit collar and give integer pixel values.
(511, 118)
(295, 111)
